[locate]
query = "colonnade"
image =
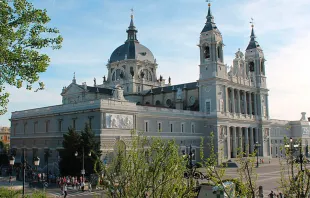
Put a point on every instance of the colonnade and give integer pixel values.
(242, 139)
(241, 101)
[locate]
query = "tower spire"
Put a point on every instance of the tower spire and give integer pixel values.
(210, 25)
(253, 43)
(132, 31)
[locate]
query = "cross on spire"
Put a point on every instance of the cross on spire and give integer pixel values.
(252, 22)
(209, 2)
(131, 12)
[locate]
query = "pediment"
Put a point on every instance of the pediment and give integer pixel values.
(72, 89)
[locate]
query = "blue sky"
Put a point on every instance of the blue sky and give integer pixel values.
(92, 29)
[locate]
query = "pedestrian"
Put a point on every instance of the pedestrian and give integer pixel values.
(10, 180)
(280, 195)
(269, 160)
(65, 190)
(271, 194)
(82, 185)
(89, 186)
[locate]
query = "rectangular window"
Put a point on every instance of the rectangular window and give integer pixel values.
(60, 125)
(73, 123)
(25, 127)
(47, 126)
(146, 126)
(276, 141)
(171, 127)
(193, 128)
(90, 121)
(35, 127)
(159, 127)
(182, 127)
(208, 107)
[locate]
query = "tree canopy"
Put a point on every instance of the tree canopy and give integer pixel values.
(77, 142)
(23, 34)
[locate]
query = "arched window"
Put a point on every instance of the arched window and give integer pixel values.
(157, 103)
(147, 103)
(251, 66)
(118, 74)
(207, 52)
(219, 53)
(262, 69)
(113, 76)
(146, 74)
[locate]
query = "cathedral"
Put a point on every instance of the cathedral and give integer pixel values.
(231, 102)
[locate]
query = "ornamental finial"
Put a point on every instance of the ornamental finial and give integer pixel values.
(131, 16)
(252, 22)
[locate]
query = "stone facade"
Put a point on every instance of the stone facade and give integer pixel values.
(231, 102)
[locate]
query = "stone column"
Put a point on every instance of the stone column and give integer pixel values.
(246, 136)
(255, 104)
(267, 106)
(238, 101)
(251, 142)
(233, 100)
(234, 142)
(240, 139)
(250, 103)
(244, 103)
(102, 121)
(226, 99)
(228, 143)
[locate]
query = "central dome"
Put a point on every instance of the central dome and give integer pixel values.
(132, 50)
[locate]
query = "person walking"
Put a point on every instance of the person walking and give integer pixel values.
(89, 186)
(65, 190)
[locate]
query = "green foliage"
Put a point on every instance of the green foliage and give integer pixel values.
(73, 141)
(24, 34)
(295, 177)
(69, 164)
(91, 145)
(37, 194)
(7, 193)
(147, 166)
(247, 174)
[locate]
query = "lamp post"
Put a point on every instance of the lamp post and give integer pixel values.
(83, 170)
(36, 161)
(12, 161)
(257, 145)
(191, 172)
(24, 171)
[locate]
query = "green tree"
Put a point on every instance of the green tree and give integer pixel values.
(69, 164)
(91, 145)
(23, 34)
(147, 166)
(295, 175)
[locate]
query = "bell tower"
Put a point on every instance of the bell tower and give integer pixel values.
(211, 50)
(255, 66)
(211, 67)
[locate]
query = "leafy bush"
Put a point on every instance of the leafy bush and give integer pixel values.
(7, 193)
(198, 165)
(239, 188)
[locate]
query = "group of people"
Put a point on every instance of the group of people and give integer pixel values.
(274, 195)
(75, 182)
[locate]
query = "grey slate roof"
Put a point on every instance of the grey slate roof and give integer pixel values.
(168, 89)
(133, 50)
(100, 90)
(210, 25)
(253, 44)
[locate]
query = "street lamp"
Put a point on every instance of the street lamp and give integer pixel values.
(83, 170)
(191, 171)
(257, 145)
(36, 161)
